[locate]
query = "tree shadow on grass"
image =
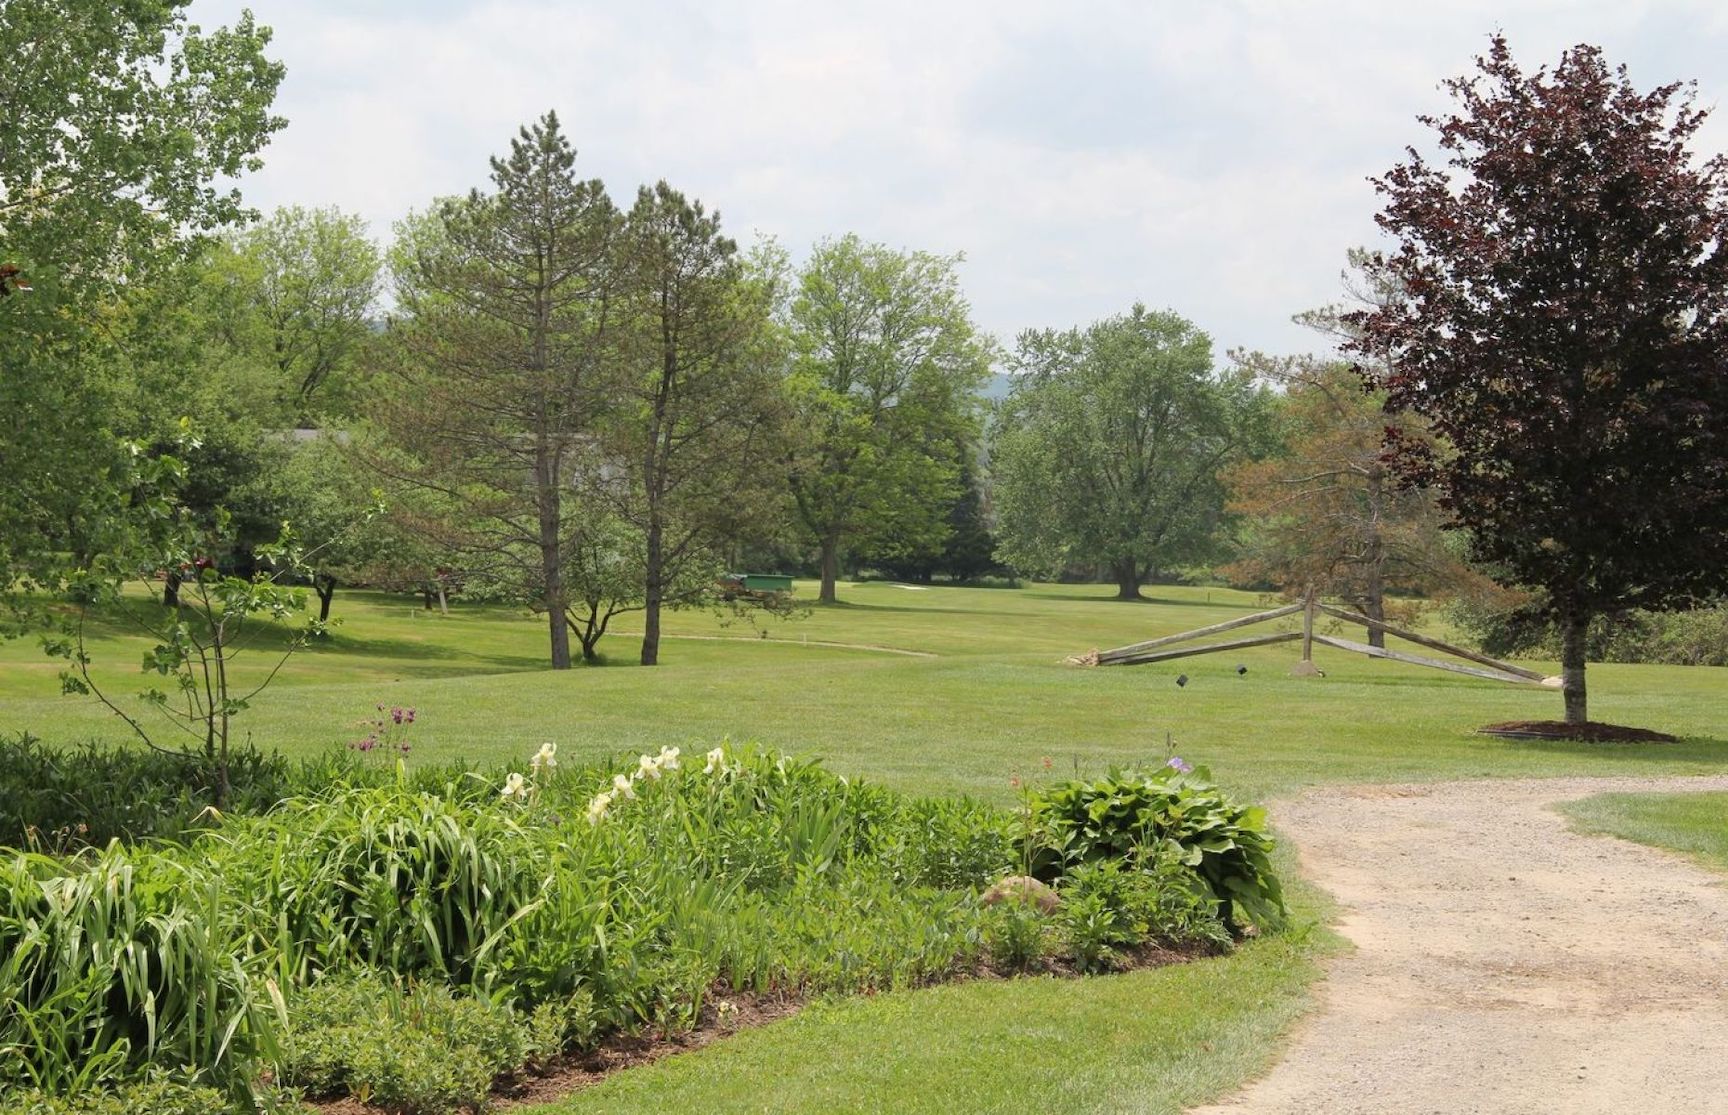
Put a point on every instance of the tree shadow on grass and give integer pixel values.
(336, 642)
(1231, 605)
(1702, 751)
(855, 606)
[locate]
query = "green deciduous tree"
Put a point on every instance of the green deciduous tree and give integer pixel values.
(118, 122)
(329, 497)
(1112, 445)
(886, 368)
(312, 277)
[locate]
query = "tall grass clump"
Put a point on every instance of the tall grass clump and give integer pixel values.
(122, 960)
(388, 877)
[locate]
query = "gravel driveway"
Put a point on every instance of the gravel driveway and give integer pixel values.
(1503, 964)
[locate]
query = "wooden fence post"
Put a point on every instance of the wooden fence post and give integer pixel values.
(1306, 668)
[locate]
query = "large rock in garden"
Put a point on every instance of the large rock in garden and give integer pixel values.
(1025, 890)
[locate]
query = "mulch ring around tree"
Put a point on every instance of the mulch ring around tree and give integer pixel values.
(1589, 732)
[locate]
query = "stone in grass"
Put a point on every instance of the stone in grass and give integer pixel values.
(1025, 890)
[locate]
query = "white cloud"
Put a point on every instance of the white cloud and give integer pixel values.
(1208, 157)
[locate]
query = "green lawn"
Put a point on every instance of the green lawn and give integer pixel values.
(1696, 824)
(1154, 1041)
(994, 701)
(989, 699)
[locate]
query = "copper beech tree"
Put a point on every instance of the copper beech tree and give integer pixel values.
(1563, 328)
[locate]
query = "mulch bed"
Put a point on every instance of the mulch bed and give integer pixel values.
(745, 1010)
(1588, 732)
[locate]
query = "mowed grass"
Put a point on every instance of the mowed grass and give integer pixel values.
(993, 700)
(1151, 1041)
(986, 698)
(1695, 824)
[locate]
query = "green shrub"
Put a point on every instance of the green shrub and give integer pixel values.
(61, 799)
(949, 843)
(1156, 898)
(426, 933)
(1129, 815)
(1515, 625)
(1694, 638)
(418, 1049)
(1094, 930)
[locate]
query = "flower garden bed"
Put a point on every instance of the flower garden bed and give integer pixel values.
(443, 940)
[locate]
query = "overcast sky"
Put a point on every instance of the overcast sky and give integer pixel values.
(1208, 156)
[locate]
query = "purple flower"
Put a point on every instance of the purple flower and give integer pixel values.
(1177, 764)
(396, 715)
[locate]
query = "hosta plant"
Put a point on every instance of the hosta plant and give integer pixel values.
(1129, 815)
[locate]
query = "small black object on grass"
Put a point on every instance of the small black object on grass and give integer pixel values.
(1181, 679)
(1240, 669)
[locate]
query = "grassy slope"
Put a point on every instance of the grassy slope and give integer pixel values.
(994, 702)
(1696, 824)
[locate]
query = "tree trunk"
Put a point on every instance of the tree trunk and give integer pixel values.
(1574, 628)
(830, 567)
(1374, 607)
(171, 589)
(325, 586)
(1127, 579)
(589, 632)
(551, 568)
(1374, 593)
(653, 592)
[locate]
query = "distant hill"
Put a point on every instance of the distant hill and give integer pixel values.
(998, 386)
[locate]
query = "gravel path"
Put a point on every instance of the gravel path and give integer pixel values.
(1502, 963)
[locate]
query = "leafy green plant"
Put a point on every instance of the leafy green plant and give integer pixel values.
(1153, 899)
(1128, 814)
(385, 876)
(65, 798)
(422, 933)
(1015, 936)
(1094, 930)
